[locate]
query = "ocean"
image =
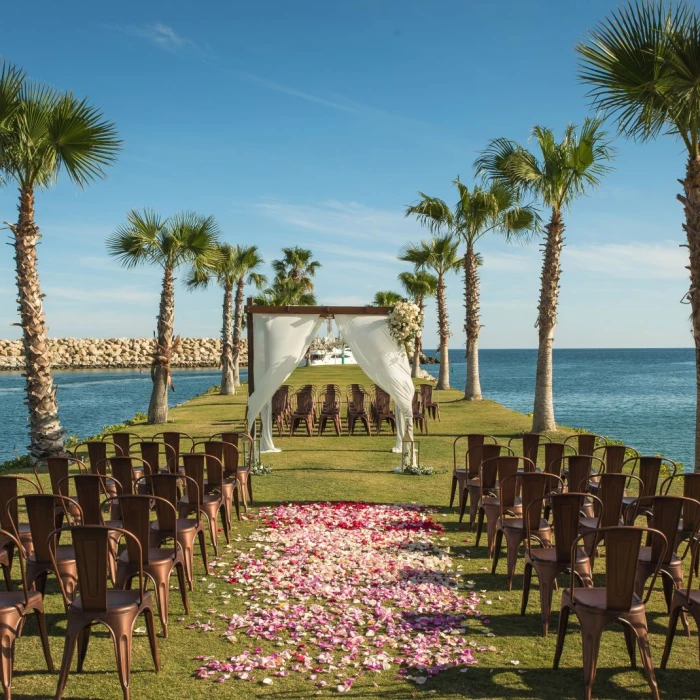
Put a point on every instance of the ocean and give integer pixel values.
(644, 397)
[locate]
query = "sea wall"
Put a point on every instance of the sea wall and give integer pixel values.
(102, 353)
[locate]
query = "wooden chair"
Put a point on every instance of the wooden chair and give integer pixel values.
(516, 527)
(238, 462)
(472, 462)
(329, 407)
(157, 563)
(471, 491)
(530, 444)
(14, 608)
(116, 609)
(279, 406)
(419, 416)
(382, 411)
(357, 410)
(183, 530)
(599, 607)
(547, 561)
(430, 407)
(303, 411)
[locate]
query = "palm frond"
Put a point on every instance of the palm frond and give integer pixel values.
(431, 212)
(137, 241)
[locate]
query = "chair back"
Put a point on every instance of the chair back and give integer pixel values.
(41, 512)
(58, 469)
(123, 441)
(426, 393)
(89, 489)
(6, 537)
(303, 403)
(382, 399)
(533, 487)
(500, 468)
(553, 453)
(166, 487)
(157, 454)
(329, 400)
(279, 401)
(136, 516)
(123, 471)
(580, 468)
(416, 403)
(194, 467)
(91, 544)
(474, 443)
(175, 441)
(650, 471)
(586, 442)
(9, 491)
(566, 511)
(531, 444)
(613, 456)
(611, 490)
(666, 513)
(691, 491)
(95, 451)
(356, 405)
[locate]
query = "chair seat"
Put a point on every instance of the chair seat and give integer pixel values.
(156, 557)
(595, 600)
(62, 554)
(183, 525)
(117, 600)
(549, 555)
(519, 524)
(645, 556)
(15, 599)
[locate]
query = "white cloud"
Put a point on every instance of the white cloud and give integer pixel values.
(162, 36)
(635, 260)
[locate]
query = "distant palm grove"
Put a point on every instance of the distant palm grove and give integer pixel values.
(641, 68)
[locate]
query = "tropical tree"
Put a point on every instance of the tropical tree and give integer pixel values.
(386, 298)
(286, 292)
(44, 132)
(643, 65)
(183, 239)
(418, 285)
(564, 171)
(297, 264)
(229, 268)
(479, 211)
(439, 254)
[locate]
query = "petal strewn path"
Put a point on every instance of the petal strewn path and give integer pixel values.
(336, 590)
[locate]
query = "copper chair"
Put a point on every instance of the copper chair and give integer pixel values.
(430, 407)
(472, 462)
(122, 441)
(121, 472)
(184, 530)
(514, 525)
(614, 456)
(224, 482)
(549, 562)
(303, 411)
(554, 453)
(419, 416)
(211, 504)
(684, 600)
(599, 607)
(41, 510)
(176, 441)
(381, 410)
(664, 514)
(116, 609)
(586, 443)
(14, 608)
(238, 461)
(491, 473)
(93, 452)
(159, 456)
(279, 406)
(9, 516)
(650, 467)
(357, 410)
(579, 470)
(691, 511)
(472, 489)
(330, 405)
(156, 563)
(531, 444)
(58, 469)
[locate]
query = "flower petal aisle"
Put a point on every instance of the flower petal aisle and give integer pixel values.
(336, 590)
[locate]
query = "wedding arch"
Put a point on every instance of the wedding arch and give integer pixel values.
(278, 337)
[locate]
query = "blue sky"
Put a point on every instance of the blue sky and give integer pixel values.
(315, 123)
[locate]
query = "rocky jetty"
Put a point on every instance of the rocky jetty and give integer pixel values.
(103, 353)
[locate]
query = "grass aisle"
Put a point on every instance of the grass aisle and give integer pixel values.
(359, 469)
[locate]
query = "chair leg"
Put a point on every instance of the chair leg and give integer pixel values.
(43, 634)
(670, 633)
(162, 591)
(463, 503)
(479, 526)
(83, 641)
(203, 550)
(645, 653)
(591, 647)
(496, 550)
(237, 503)
(224, 524)
(453, 490)
(123, 639)
(188, 556)
(180, 568)
(7, 656)
(630, 642)
(68, 649)
(152, 639)
(512, 547)
(527, 579)
(249, 482)
(7, 573)
(561, 634)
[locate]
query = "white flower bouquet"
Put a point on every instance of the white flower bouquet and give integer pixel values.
(405, 322)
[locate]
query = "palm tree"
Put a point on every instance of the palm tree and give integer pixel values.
(286, 292)
(386, 298)
(642, 65)
(564, 172)
(43, 132)
(298, 265)
(186, 238)
(248, 261)
(418, 285)
(493, 209)
(439, 254)
(230, 267)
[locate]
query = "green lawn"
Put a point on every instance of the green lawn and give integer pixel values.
(359, 468)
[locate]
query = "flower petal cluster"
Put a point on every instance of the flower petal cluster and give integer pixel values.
(405, 322)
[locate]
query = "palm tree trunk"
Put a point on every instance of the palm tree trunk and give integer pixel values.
(238, 331)
(415, 365)
(227, 382)
(472, 390)
(46, 435)
(691, 205)
(160, 372)
(444, 333)
(543, 413)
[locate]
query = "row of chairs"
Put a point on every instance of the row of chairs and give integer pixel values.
(591, 502)
(104, 514)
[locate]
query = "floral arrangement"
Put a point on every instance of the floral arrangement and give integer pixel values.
(260, 469)
(405, 322)
(418, 470)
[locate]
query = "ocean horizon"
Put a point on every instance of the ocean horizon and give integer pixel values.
(643, 396)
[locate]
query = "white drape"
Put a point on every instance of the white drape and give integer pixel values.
(280, 344)
(383, 361)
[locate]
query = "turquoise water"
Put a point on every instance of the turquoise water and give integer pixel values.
(89, 399)
(644, 397)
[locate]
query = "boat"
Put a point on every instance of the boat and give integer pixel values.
(335, 356)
